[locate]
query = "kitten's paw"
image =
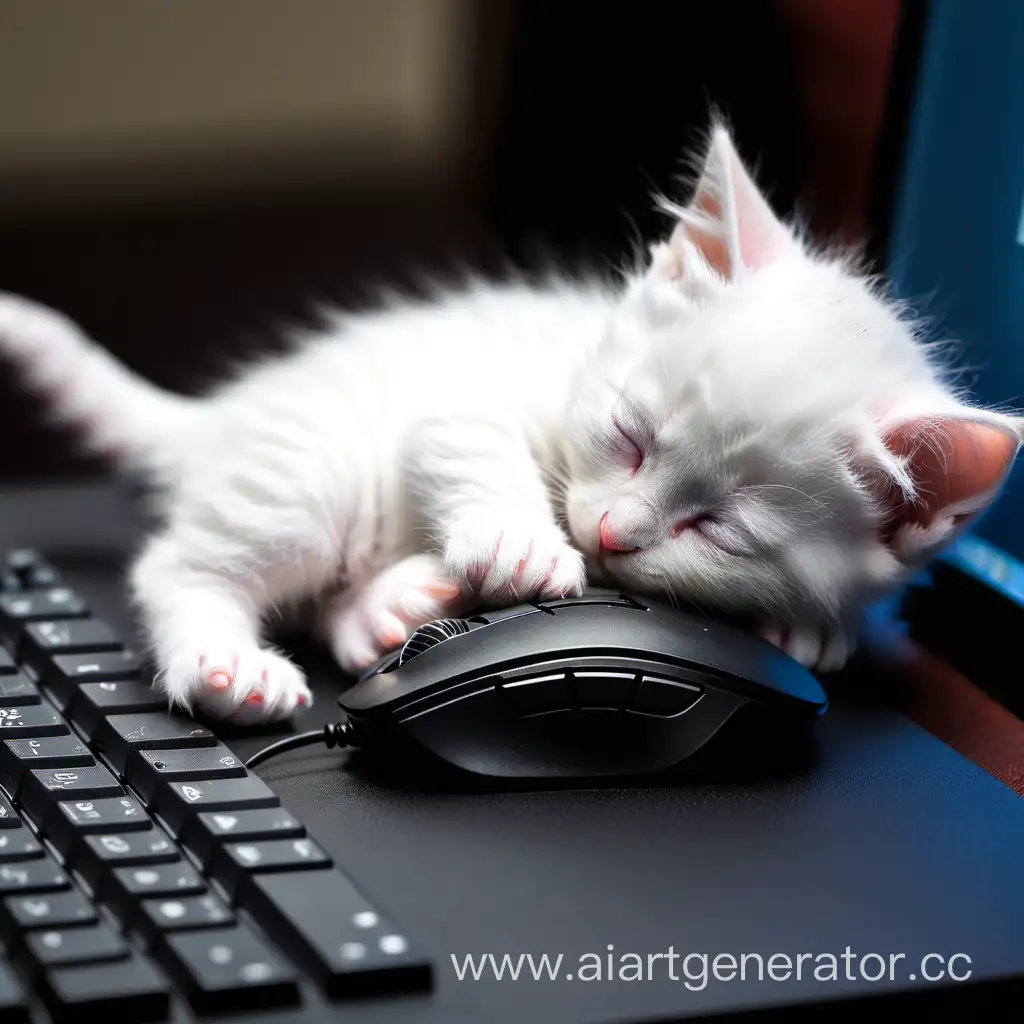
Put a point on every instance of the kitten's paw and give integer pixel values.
(364, 625)
(820, 649)
(244, 685)
(504, 566)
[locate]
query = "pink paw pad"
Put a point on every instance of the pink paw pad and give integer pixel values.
(219, 680)
(219, 677)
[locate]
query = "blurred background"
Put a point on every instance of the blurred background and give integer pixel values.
(185, 179)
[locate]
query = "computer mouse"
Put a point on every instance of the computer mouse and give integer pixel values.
(603, 684)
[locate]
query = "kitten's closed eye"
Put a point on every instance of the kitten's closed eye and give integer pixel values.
(627, 447)
(719, 529)
(701, 523)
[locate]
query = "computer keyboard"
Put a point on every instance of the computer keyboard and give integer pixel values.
(140, 862)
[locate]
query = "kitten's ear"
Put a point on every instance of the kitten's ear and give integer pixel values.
(942, 470)
(728, 222)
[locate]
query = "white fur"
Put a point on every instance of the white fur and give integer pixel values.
(472, 439)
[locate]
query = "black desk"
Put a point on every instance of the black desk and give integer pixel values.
(892, 844)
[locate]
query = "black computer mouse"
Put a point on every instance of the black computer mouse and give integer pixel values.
(599, 685)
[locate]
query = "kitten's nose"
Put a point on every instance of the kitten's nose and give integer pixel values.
(609, 542)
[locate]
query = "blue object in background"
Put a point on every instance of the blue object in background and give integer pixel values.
(958, 228)
(978, 558)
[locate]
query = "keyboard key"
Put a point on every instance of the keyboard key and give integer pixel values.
(30, 569)
(20, 560)
(31, 720)
(18, 690)
(92, 702)
(61, 947)
(50, 910)
(7, 665)
(43, 788)
(13, 998)
(19, 844)
(8, 816)
(112, 814)
(18, 756)
(131, 991)
(213, 828)
(177, 802)
(10, 582)
(36, 606)
(131, 848)
(66, 672)
(127, 886)
(121, 735)
(77, 818)
(152, 767)
(347, 944)
(98, 854)
(41, 641)
(43, 875)
(238, 860)
(42, 576)
(40, 605)
(229, 969)
(190, 912)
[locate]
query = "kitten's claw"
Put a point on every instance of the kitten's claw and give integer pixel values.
(836, 650)
(504, 566)
(365, 624)
(243, 685)
(821, 650)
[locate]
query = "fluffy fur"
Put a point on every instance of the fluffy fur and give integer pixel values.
(742, 423)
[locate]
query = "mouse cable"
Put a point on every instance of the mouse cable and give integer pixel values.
(333, 734)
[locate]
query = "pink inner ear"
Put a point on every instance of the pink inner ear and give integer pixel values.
(956, 465)
(742, 230)
(713, 248)
(761, 236)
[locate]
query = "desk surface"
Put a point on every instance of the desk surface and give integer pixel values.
(889, 842)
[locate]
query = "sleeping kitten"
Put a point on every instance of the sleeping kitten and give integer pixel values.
(743, 423)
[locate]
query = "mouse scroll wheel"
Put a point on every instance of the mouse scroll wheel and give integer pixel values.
(430, 635)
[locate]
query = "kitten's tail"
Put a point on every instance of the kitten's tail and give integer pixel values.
(115, 413)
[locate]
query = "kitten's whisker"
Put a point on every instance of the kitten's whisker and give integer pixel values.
(788, 487)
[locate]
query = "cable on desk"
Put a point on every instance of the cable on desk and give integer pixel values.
(333, 734)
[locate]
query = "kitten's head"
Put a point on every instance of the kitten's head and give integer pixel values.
(760, 430)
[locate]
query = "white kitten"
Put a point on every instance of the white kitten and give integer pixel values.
(744, 424)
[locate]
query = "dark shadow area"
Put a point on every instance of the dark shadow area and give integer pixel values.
(580, 112)
(733, 762)
(604, 102)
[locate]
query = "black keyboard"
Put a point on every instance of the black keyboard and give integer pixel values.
(140, 862)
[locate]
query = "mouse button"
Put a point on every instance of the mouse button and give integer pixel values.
(665, 697)
(493, 615)
(535, 668)
(416, 709)
(375, 691)
(603, 689)
(592, 597)
(536, 693)
(386, 664)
